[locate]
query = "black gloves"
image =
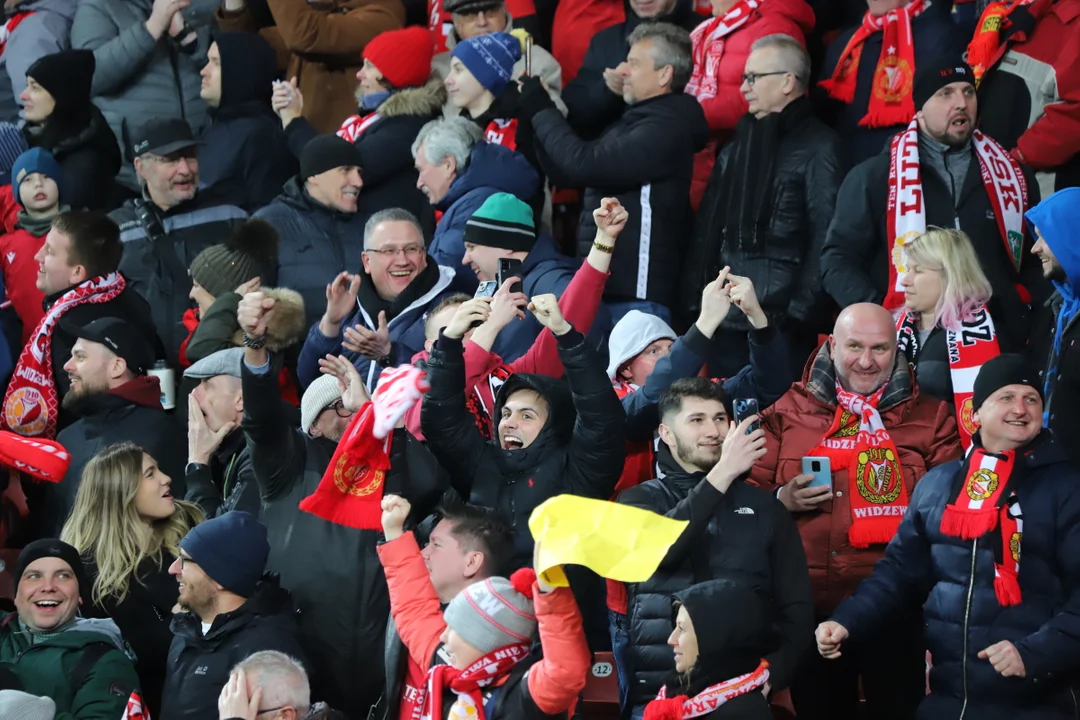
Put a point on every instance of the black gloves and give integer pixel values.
(533, 98)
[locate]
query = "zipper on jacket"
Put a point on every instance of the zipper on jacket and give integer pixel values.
(1076, 707)
(967, 617)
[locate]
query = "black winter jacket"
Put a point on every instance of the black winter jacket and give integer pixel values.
(855, 260)
(745, 534)
(955, 578)
(224, 485)
(317, 243)
(343, 629)
(580, 449)
(591, 106)
(89, 161)
(159, 270)
(386, 152)
(645, 160)
(199, 665)
(811, 161)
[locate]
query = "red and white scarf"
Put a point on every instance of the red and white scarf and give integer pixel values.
(355, 125)
(468, 684)
(985, 47)
(906, 209)
(708, 700)
(502, 132)
(31, 403)
(708, 43)
(876, 491)
(970, 347)
(894, 78)
(985, 503)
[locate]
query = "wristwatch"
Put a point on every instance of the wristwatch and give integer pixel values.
(193, 467)
(387, 360)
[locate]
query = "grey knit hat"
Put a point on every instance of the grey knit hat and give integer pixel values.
(17, 705)
(318, 396)
(491, 614)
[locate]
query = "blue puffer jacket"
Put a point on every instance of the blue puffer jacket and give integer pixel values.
(1044, 627)
(317, 243)
(491, 169)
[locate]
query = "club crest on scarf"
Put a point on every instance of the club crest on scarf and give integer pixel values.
(982, 484)
(878, 476)
(895, 83)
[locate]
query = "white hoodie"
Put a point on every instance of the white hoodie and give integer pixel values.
(631, 335)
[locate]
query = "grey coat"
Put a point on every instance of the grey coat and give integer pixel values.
(43, 33)
(135, 79)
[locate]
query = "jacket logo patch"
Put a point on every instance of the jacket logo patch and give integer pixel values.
(11, 257)
(744, 511)
(201, 670)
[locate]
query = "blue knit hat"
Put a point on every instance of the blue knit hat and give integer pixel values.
(12, 144)
(490, 58)
(231, 549)
(35, 160)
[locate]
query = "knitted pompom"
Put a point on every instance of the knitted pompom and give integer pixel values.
(523, 581)
(668, 709)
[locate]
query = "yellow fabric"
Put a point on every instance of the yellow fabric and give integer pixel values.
(615, 541)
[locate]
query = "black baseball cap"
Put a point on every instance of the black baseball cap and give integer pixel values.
(122, 338)
(163, 136)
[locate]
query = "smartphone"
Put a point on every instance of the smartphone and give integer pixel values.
(744, 408)
(528, 55)
(508, 268)
(820, 468)
(485, 289)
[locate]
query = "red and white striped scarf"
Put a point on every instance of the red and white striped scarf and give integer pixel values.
(467, 685)
(708, 43)
(708, 700)
(355, 125)
(906, 209)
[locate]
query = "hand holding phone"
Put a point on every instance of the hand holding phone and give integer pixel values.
(508, 268)
(821, 469)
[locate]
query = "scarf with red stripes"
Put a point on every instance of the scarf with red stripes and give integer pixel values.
(708, 700)
(708, 40)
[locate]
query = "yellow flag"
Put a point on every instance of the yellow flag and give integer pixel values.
(614, 541)
(521, 34)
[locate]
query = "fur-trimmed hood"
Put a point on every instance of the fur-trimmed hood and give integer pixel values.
(287, 326)
(424, 101)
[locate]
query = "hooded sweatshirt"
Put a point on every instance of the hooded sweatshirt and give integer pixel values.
(1056, 219)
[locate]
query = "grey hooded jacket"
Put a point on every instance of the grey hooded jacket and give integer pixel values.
(43, 33)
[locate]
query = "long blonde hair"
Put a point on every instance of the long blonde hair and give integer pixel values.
(964, 285)
(105, 525)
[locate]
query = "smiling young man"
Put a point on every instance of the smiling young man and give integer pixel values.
(80, 664)
(990, 544)
(941, 172)
(858, 408)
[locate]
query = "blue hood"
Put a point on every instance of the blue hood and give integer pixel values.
(493, 166)
(1058, 220)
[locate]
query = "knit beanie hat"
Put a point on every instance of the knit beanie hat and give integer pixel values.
(67, 75)
(490, 58)
(18, 705)
(51, 547)
(12, 145)
(1001, 371)
(932, 76)
(248, 254)
(402, 56)
(35, 160)
(318, 396)
(231, 549)
(326, 152)
(494, 613)
(503, 221)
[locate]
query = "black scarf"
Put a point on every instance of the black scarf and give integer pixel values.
(420, 286)
(746, 186)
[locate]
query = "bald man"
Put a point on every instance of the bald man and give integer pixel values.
(858, 415)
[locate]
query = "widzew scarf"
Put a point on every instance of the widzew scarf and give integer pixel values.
(708, 700)
(468, 684)
(32, 403)
(985, 46)
(708, 41)
(906, 209)
(970, 347)
(985, 502)
(876, 490)
(351, 490)
(890, 96)
(502, 132)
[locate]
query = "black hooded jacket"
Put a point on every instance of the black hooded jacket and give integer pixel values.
(580, 449)
(199, 665)
(744, 534)
(89, 157)
(245, 153)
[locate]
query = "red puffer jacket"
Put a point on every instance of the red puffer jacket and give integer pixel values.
(925, 434)
(726, 105)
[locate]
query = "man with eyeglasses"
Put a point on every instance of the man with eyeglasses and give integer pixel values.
(169, 225)
(768, 204)
(375, 318)
(316, 217)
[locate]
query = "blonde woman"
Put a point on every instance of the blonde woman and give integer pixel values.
(945, 328)
(128, 527)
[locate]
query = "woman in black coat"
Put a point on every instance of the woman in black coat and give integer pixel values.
(61, 118)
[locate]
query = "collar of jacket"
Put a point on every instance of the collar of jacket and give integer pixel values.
(294, 193)
(674, 474)
(424, 101)
(268, 600)
(820, 380)
(143, 391)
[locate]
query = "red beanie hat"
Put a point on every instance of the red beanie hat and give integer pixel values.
(402, 56)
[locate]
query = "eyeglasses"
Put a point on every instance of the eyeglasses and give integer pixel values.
(339, 407)
(185, 561)
(411, 251)
(270, 710)
(751, 78)
(189, 153)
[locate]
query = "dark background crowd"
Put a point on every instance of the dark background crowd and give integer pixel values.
(309, 304)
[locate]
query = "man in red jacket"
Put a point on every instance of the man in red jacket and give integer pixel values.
(859, 411)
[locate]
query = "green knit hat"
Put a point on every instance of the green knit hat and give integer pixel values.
(249, 253)
(502, 221)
